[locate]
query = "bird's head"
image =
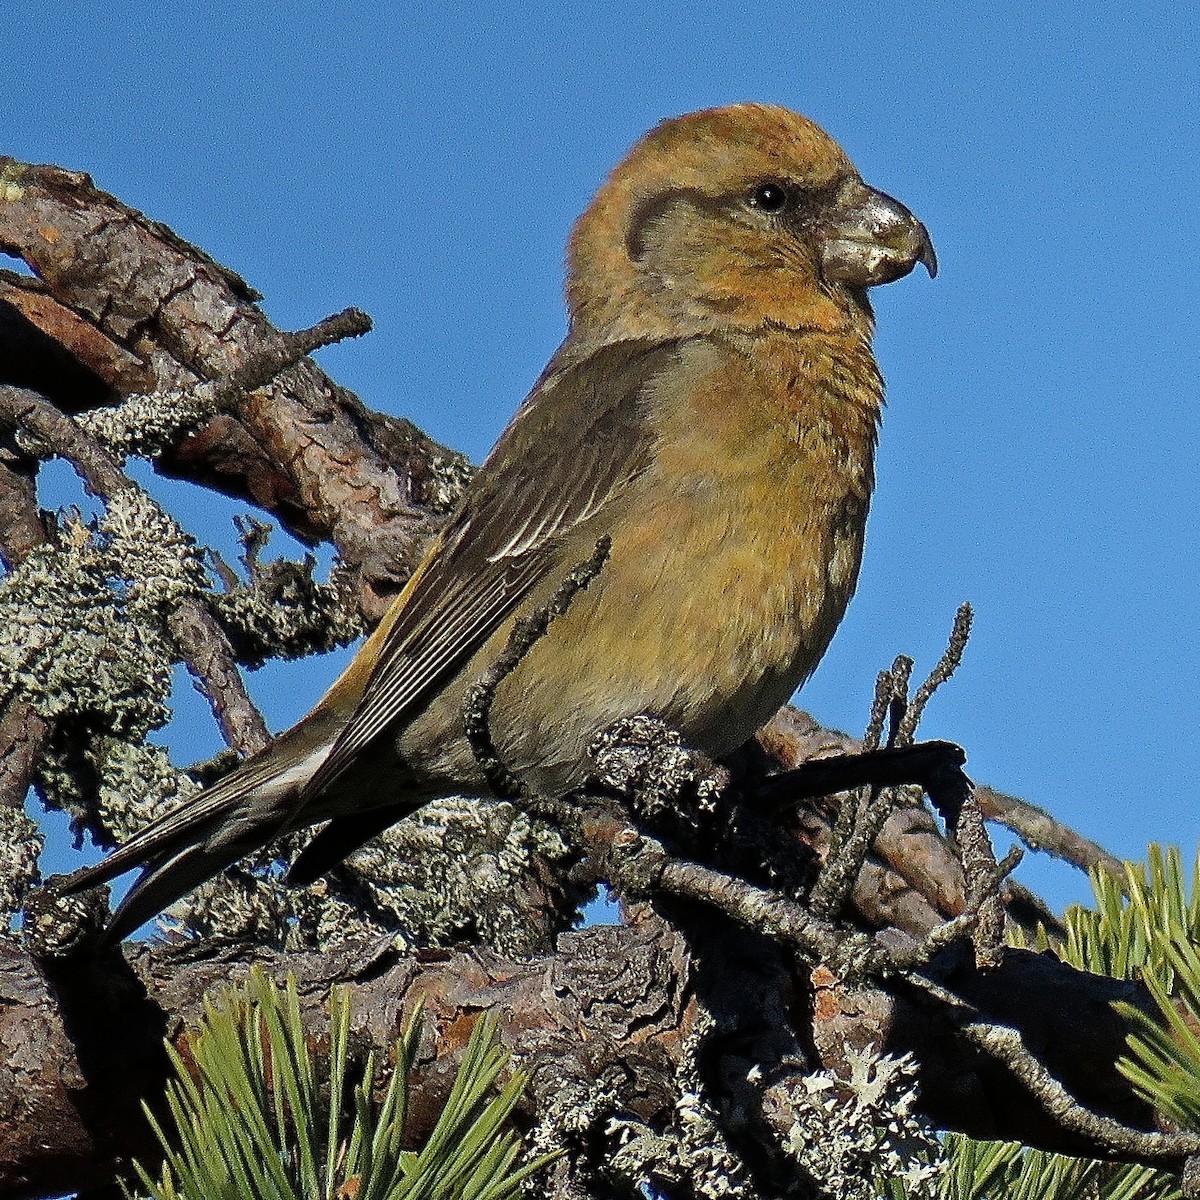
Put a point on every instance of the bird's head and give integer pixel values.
(736, 217)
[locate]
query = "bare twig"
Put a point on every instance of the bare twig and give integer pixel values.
(968, 921)
(100, 472)
(879, 711)
(981, 869)
(223, 571)
(254, 535)
(24, 733)
(864, 812)
(947, 665)
(1004, 1044)
(838, 872)
(1041, 831)
(270, 361)
(638, 865)
(900, 676)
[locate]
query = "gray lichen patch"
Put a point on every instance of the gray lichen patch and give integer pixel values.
(147, 424)
(463, 869)
(20, 845)
(284, 612)
(67, 645)
(855, 1135)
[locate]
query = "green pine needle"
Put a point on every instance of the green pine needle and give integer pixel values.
(1145, 927)
(259, 1118)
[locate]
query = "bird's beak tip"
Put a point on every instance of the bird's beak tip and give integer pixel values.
(928, 255)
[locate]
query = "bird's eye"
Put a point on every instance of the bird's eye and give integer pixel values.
(769, 197)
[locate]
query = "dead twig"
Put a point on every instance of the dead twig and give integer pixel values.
(480, 696)
(1004, 1044)
(951, 658)
(865, 810)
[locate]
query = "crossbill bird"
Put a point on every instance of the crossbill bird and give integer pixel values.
(713, 412)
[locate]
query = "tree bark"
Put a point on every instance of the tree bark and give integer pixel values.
(80, 1041)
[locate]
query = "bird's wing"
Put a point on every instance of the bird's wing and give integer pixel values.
(579, 437)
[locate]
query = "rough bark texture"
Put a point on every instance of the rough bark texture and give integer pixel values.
(124, 288)
(608, 1014)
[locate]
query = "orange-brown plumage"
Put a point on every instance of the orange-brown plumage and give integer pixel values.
(713, 411)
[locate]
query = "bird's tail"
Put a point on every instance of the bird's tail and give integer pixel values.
(204, 835)
(165, 879)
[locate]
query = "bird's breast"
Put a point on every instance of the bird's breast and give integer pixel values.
(733, 558)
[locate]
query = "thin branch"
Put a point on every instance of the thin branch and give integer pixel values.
(271, 360)
(1005, 1044)
(254, 535)
(947, 665)
(210, 662)
(981, 869)
(1041, 831)
(100, 472)
(900, 675)
(24, 733)
(638, 865)
(967, 922)
(829, 890)
(879, 711)
(864, 811)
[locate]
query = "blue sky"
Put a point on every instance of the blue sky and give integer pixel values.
(1039, 451)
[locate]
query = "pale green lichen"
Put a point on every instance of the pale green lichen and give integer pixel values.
(83, 640)
(699, 1164)
(147, 424)
(67, 645)
(161, 563)
(20, 845)
(250, 904)
(455, 871)
(855, 1135)
(283, 612)
(10, 172)
(136, 784)
(693, 1153)
(448, 476)
(458, 870)
(83, 620)
(588, 1119)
